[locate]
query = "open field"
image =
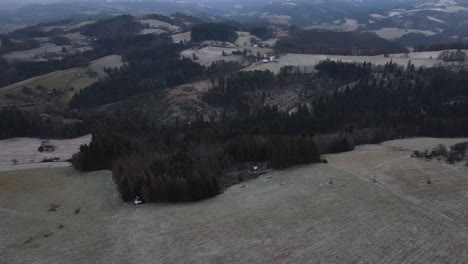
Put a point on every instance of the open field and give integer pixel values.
(45, 52)
(78, 78)
(207, 55)
(182, 37)
(25, 152)
(303, 220)
(33, 54)
(70, 27)
(404, 176)
(396, 33)
(339, 25)
(153, 23)
(244, 39)
(147, 31)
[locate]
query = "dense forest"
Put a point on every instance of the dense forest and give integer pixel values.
(119, 26)
(153, 162)
(332, 106)
(16, 123)
(441, 46)
(384, 102)
(339, 43)
(213, 31)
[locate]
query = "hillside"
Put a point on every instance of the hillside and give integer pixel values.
(52, 91)
(288, 216)
(255, 132)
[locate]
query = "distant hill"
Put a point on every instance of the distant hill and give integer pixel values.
(410, 22)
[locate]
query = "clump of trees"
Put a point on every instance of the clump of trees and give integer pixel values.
(117, 27)
(263, 32)
(452, 155)
(448, 55)
(441, 46)
(163, 178)
(213, 31)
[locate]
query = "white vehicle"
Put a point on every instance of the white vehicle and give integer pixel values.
(137, 201)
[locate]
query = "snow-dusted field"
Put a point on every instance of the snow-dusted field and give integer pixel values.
(110, 61)
(303, 220)
(186, 36)
(396, 33)
(153, 23)
(71, 27)
(418, 59)
(346, 25)
(33, 54)
(210, 54)
(147, 31)
(391, 164)
(244, 39)
(22, 153)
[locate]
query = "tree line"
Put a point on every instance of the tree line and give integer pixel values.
(17, 123)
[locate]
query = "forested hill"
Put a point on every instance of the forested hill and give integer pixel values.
(340, 43)
(189, 161)
(177, 107)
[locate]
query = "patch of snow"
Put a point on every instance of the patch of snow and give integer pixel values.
(436, 20)
(377, 16)
(396, 33)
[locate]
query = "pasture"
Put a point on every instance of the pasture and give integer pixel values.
(290, 216)
(37, 89)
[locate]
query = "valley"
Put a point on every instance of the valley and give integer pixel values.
(234, 132)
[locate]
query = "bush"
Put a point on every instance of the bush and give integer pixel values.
(454, 154)
(439, 151)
